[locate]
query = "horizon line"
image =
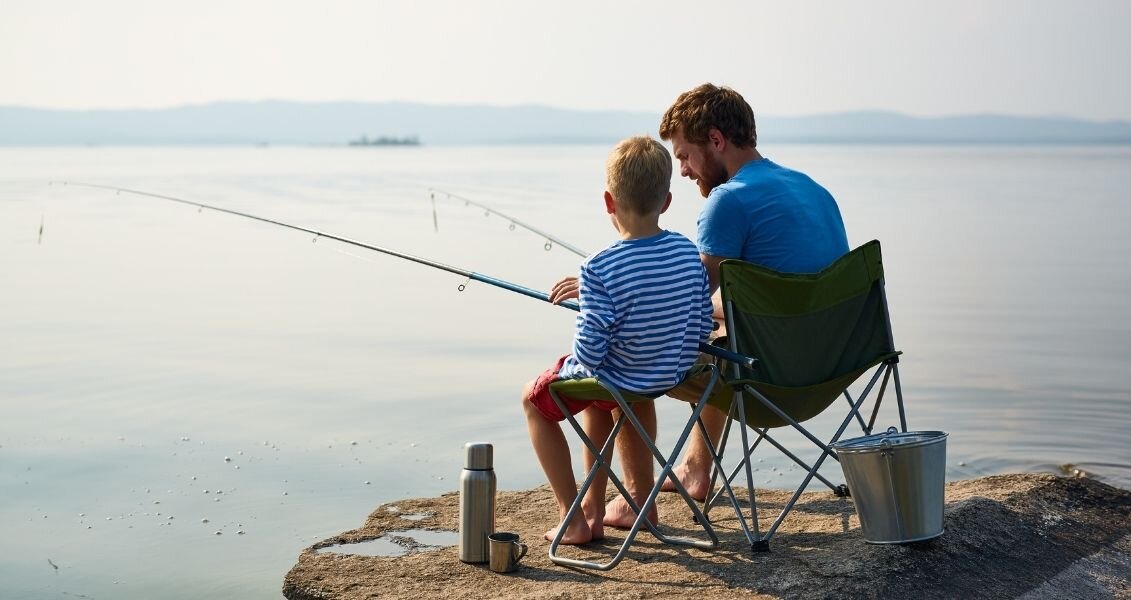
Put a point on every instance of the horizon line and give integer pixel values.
(529, 105)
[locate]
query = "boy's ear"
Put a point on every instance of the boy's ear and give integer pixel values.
(667, 203)
(610, 204)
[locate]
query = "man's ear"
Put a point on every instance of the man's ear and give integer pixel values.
(610, 205)
(667, 203)
(716, 139)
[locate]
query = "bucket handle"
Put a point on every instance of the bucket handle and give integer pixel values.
(885, 445)
(889, 455)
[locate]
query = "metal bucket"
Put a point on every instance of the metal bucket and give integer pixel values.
(896, 481)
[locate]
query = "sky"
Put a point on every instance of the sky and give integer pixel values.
(788, 57)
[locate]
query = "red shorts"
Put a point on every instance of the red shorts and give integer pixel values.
(540, 397)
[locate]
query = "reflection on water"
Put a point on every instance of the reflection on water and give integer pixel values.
(397, 543)
(396, 510)
(144, 343)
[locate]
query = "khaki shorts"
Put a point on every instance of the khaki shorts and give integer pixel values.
(691, 390)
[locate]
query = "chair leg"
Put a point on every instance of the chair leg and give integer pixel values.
(758, 543)
(708, 499)
(713, 495)
(879, 401)
(859, 418)
(826, 450)
(761, 542)
(717, 468)
(763, 434)
(642, 521)
(899, 396)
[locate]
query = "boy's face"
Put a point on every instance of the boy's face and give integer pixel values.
(699, 163)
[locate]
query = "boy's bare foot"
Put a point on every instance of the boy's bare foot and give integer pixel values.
(577, 533)
(695, 481)
(620, 515)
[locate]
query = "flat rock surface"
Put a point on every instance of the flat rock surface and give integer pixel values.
(1009, 536)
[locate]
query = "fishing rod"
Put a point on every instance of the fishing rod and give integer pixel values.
(550, 240)
(470, 275)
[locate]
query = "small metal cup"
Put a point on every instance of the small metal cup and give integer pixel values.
(506, 551)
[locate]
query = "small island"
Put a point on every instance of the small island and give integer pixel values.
(411, 140)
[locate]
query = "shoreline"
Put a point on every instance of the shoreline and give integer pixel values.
(1007, 536)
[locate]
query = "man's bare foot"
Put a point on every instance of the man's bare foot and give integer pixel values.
(578, 532)
(620, 515)
(596, 527)
(695, 481)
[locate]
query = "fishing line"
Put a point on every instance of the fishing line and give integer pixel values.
(461, 287)
(468, 275)
(488, 211)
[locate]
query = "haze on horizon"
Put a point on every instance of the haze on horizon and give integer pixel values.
(1018, 57)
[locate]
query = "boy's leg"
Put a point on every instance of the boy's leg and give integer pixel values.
(597, 424)
(637, 463)
(553, 453)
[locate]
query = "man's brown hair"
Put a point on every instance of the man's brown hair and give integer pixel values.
(695, 112)
(639, 174)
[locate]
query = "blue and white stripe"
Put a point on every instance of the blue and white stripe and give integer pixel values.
(645, 306)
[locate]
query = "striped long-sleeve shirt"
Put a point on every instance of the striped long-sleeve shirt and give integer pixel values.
(645, 306)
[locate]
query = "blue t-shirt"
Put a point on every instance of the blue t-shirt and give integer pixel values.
(645, 306)
(774, 217)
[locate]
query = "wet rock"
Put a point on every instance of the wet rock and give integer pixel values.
(1011, 536)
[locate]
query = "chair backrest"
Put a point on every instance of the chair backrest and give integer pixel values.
(813, 334)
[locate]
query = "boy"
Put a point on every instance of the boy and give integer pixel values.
(645, 306)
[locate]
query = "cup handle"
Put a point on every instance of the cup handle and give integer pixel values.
(522, 553)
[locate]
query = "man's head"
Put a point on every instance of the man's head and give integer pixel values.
(697, 111)
(639, 175)
(706, 125)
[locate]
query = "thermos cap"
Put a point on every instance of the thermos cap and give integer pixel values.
(480, 455)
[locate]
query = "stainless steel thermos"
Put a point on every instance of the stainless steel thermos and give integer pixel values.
(476, 503)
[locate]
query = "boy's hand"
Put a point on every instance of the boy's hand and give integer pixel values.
(565, 289)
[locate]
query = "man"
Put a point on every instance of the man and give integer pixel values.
(756, 211)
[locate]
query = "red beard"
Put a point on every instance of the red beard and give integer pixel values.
(714, 174)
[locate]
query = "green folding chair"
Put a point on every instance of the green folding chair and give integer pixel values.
(813, 335)
(592, 389)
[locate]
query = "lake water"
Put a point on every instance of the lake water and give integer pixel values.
(189, 399)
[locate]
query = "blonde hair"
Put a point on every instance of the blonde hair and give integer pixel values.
(639, 174)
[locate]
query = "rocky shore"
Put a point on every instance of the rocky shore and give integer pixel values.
(1010, 536)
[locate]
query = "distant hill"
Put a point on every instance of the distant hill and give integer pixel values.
(335, 123)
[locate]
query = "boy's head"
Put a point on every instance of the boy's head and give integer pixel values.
(697, 111)
(639, 175)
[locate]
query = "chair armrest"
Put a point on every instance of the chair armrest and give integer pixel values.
(727, 355)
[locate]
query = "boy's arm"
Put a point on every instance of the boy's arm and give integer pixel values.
(596, 316)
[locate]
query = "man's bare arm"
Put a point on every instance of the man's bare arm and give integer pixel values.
(712, 265)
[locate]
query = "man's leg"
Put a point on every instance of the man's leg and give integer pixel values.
(637, 463)
(695, 470)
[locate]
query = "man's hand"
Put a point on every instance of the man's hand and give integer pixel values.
(565, 289)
